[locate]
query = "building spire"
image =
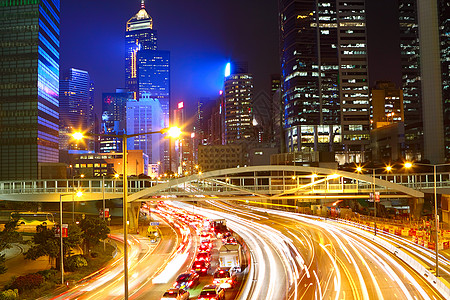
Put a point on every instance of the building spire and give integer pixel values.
(142, 4)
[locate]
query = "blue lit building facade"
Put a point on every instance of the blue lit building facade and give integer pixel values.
(74, 108)
(114, 116)
(147, 69)
(29, 87)
(146, 115)
(154, 78)
(139, 35)
(444, 27)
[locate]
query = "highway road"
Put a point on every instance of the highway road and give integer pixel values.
(305, 258)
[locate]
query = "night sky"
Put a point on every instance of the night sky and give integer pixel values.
(202, 36)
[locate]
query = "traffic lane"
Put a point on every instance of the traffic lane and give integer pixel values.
(155, 290)
(384, 274)
(352, 283)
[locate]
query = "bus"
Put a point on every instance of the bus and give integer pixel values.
(30, 218)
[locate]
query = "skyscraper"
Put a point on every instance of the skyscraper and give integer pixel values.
(114, 117)
(145, 115)
(29, 87)
(154, 78)
(74, 110)
(139, 35)
(238, 103)
(425, 82)
(147, 70)
(324, 76)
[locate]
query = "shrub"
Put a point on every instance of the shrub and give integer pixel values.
(74, 262)
(9, 295)
(27, 282)
(47, 274)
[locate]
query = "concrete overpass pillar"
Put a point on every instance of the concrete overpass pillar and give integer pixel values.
(416, 207)
(133, 216)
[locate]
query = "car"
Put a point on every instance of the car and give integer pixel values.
(203, 256)
(175, 294)
(204, 248)
(225, 278)
(230, 241)
(187, 280)
(201, 266)
(207, 242)
(212, 291)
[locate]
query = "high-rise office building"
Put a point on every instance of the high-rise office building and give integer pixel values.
(74, 110)
(411, 86)
(387, 104)
(114, 117)
(143, 116)
(238, 94)
(425, 85)
(147, 70)
(154, 77)
(444, 30)
(29, 87)
(324, 76)
(139, 35)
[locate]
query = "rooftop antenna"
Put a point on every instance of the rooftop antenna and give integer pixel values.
(143, 4)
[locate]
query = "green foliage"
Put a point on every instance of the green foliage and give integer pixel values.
(8, 235)
(27, 282)
(94, 230)
(74, 262)
(45, 243)
(9, 295)
(48, 274)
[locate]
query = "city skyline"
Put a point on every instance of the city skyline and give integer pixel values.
(202, 50)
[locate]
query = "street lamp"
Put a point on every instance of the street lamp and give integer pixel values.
(78, 194)
(409, 165)
(173, 132)
(360, 169)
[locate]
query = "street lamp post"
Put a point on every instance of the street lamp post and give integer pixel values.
(359, 169)
(436, 216)
(173, 132)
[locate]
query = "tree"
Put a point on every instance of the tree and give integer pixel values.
(8, 235)
(94, 230)
(46, 243)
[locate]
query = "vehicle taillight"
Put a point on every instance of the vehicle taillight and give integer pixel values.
(203, 269)
(230, 280)
(190, 283)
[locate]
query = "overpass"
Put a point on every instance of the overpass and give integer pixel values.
(272, 183)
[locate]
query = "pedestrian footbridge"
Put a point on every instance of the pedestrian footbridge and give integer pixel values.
(256, 182)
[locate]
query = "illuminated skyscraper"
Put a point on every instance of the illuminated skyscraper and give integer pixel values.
(114, 118)
(146, 115)
(154, 77)
(324, 76)
(29, 87)
(74, 110)
(147, 70)
(139, 35)
(238, 103)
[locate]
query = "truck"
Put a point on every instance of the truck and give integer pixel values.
(230, 256)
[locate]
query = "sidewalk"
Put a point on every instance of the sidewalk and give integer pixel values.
(17, 265)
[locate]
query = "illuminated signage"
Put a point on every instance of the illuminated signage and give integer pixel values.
(228, 70)
(180, 105)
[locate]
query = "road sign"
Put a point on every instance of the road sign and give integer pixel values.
(106, 212)
(57, 231)
(65, 230)
(154, 223)
(377, 196)
(371, 197)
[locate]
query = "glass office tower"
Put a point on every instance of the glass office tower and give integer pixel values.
(74, 109)
(324, 76)
(29, 86)
(139, 36)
